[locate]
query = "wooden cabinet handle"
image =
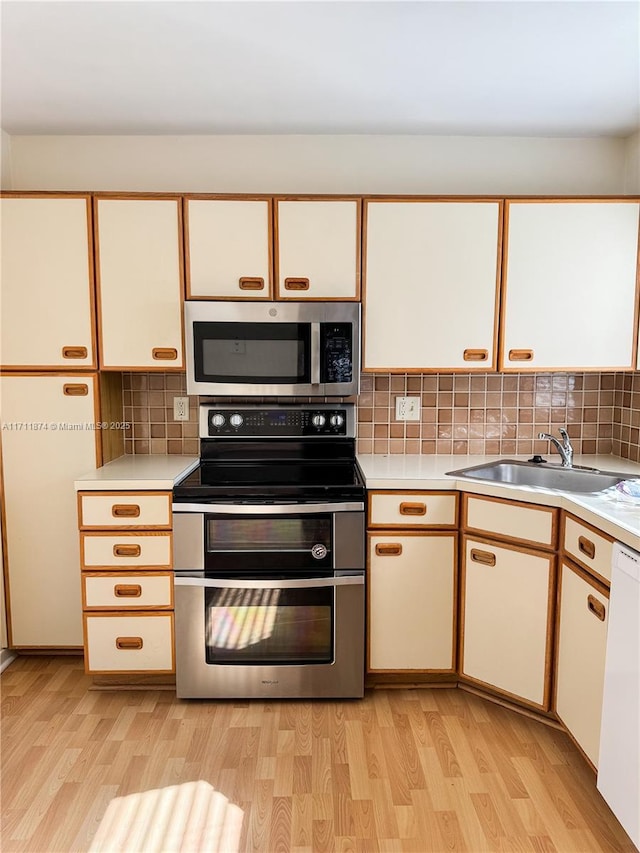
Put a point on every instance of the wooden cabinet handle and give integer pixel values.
(76, 390)
(391, 549)
(587, 547)
(248, 283)
(127, 590)
(126, 550)
(164, 353)
(134, 643)
(484, 557)
(475, 355)
(296, 284)
(413, 508)
(520, 355)
(596, 607)
(74, 352)
(125, 511)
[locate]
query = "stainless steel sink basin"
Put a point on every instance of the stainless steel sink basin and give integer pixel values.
(542, 474)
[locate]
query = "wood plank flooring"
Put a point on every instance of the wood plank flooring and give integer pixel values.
(415, 770)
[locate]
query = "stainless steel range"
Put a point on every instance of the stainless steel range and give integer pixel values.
(269, 542)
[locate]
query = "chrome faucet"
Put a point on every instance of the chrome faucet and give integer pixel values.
(565, 449)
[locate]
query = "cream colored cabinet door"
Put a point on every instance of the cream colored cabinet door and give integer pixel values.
(580, 657)
(506, 612)
(139, 269)
(318, 249)
(412, 601)
(46, 268)
(431, 286)
(228, 248)
(47, 441)
(570, 285)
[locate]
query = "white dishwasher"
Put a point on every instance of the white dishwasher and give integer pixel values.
(619, 761)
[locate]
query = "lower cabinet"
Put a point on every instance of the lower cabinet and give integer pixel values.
(127, 583)
(48, 438)
(412, 601)
(583, 608)
(506, 611)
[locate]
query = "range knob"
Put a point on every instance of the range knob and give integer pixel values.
(336, 420)
(236, 420)
(218, 420)
(318, 421)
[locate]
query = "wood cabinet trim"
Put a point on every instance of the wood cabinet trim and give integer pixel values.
(123, 497)
(409, 525)
(139, 614)
(575, 558)
(127, 606)
(533, 543)
(121, 535)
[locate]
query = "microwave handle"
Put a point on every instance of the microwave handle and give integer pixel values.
(315, 353)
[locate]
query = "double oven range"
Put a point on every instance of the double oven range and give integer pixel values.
(269, 543)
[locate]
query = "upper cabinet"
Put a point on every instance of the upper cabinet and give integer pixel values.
(431, 284)
(228, 251)
(139, 277)
(318, 248)
(47, 283)
(570, 276)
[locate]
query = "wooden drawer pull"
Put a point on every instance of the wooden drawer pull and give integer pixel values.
(596, 607)
(74, 352)
(484, 557)
(520, 355)
(127, 590)
(247, 283)
(393, 549)
(125, 511)
(76, 390)
(475, 355)
(413, 508)
(126, 550)
(164, 353)
(587, 547)
(296, 284)
(131, 643)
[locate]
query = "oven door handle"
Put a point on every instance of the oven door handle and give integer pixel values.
(293, 583)
(266, 509)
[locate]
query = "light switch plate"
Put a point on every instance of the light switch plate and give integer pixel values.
(407, 408)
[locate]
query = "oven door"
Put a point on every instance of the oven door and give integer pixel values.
(277, 637)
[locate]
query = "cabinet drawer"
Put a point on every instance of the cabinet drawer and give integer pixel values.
(413, 509)
(587, 547)
(124, 510)
(139, 643)
(125, 550)
(127, 591)
(525, 523)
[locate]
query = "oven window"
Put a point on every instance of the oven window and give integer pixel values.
(269, 626)
(267, 353)
(269, 542)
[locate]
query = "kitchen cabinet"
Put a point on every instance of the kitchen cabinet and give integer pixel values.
(587, 547)
(412, 582)
(228, 248)
(318, 248)
(569, 282)
(432, 284)
(48, 438)
(507, 597)
(47, 282)
(138, 244)
(583, 605)
(127, 583)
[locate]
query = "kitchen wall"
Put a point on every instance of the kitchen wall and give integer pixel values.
(462, 414)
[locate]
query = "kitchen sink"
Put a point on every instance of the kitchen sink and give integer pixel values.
(542, 474)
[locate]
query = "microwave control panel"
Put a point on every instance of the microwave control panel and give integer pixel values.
(336, 364)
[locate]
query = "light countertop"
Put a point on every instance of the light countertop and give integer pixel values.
(603, 509)
(131, 472)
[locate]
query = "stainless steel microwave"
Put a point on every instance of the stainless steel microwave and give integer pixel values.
(273, 348)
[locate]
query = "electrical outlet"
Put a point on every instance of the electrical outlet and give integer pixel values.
(407, 408)
(181, 408)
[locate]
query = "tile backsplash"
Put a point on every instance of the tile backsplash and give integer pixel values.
(495, 414)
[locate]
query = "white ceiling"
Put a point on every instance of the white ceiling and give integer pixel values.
(469, 68)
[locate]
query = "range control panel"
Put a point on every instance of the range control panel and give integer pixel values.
(277, 421)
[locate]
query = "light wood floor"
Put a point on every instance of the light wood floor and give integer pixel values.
(403, 770)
